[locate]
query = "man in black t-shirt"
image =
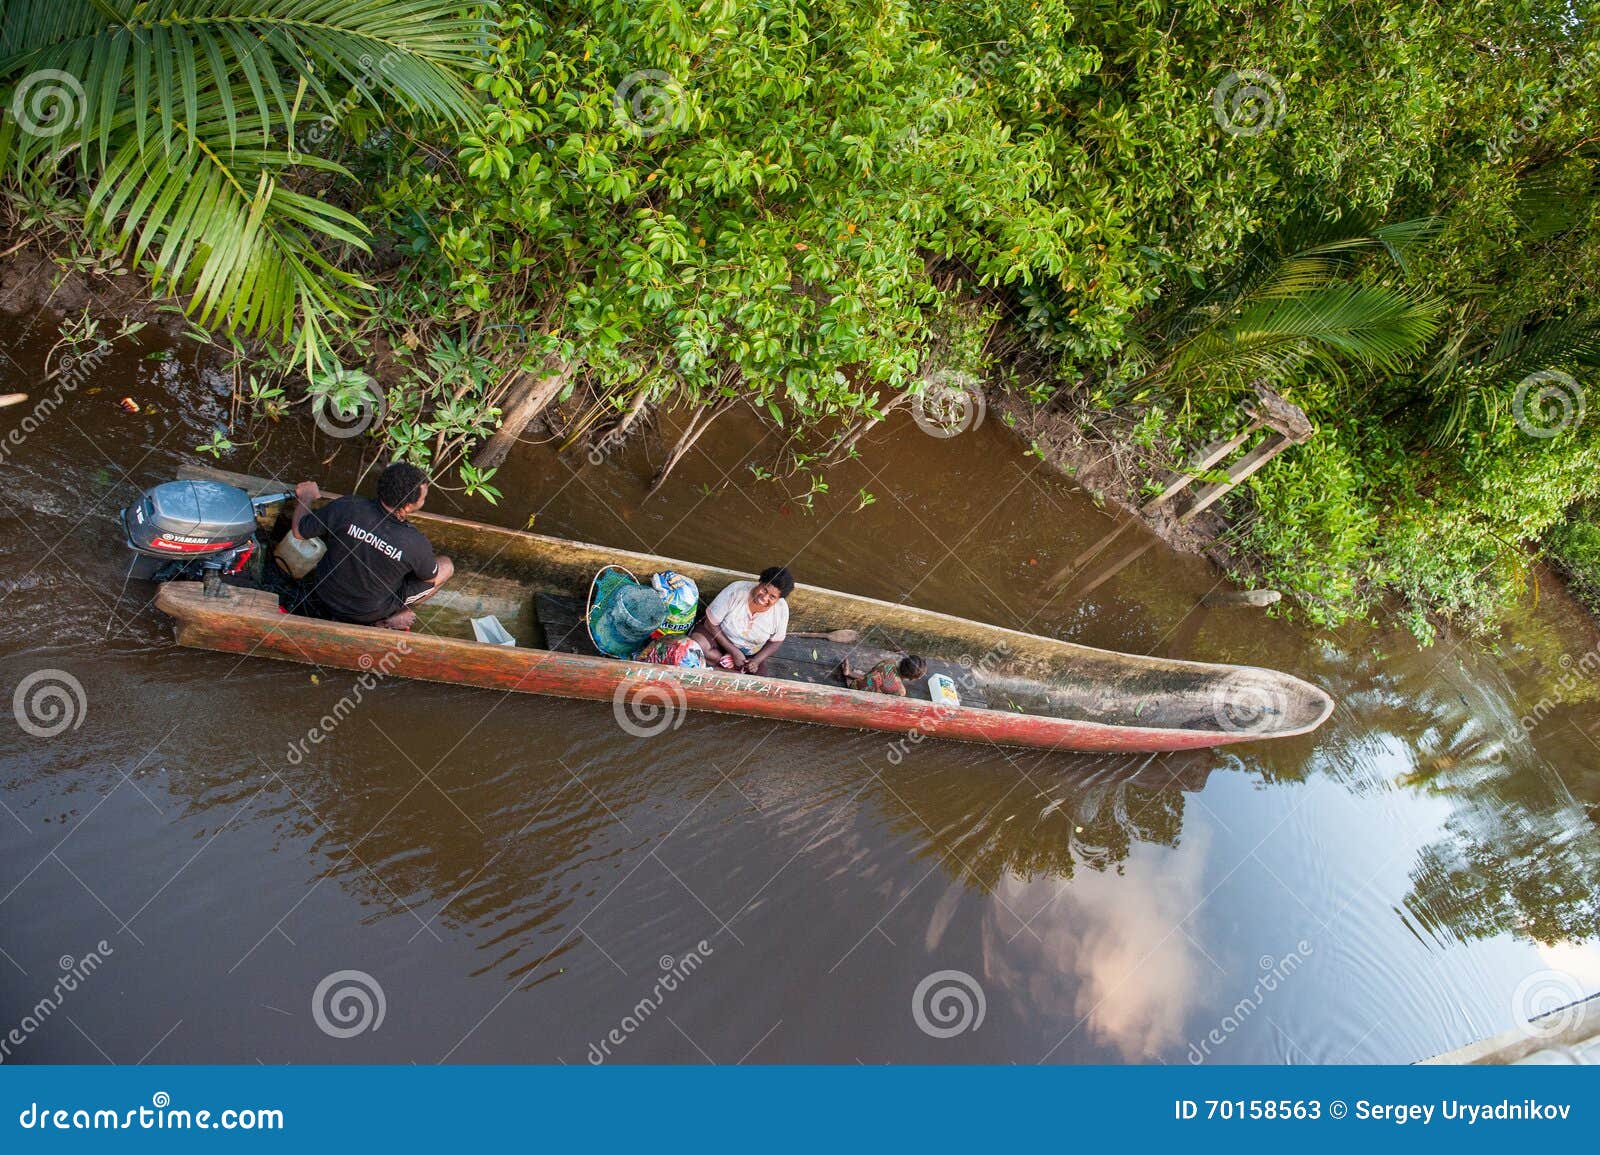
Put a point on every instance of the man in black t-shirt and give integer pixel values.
(378, 565)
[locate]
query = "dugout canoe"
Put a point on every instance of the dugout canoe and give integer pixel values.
(1017, 689)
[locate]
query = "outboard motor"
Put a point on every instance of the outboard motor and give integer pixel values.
(194, 529)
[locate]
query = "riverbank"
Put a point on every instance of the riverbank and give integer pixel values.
(1114, 469)
(1111, 454)
(1064, 434)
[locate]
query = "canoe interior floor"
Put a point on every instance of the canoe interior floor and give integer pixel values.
(798, 660)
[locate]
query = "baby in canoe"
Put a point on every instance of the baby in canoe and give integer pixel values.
(886, 677)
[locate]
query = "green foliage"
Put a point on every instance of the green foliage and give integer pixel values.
(1574, 545)
(1314, 529)
(217, 446)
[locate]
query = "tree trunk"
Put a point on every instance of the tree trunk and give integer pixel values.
(632, 415)
(609, 437)
(526, 399)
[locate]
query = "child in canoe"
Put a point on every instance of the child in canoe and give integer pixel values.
(886, 677)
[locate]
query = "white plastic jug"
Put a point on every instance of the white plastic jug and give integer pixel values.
(299, 556)
(942, 689)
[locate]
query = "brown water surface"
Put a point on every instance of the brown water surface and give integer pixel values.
(520, 877)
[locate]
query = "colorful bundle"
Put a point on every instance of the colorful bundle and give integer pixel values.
(685, 652)
(683, 599)
(622, 614)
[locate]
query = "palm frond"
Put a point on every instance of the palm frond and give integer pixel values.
(170, 56)
(1372, 326)
(1463, 383)
(1403, 239)
(219, 225)
(183, 131)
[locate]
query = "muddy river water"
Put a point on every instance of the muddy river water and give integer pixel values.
(459, 875)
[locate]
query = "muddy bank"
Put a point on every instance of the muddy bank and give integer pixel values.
(1087, 448)
(1114, 471)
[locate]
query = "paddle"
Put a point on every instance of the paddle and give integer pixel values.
(843, 637)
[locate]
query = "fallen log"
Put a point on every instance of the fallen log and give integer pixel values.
(1217, 599)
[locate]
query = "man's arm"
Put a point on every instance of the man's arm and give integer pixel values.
(304, 494)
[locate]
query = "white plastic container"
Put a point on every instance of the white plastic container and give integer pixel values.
(299, 556)
(942, 690)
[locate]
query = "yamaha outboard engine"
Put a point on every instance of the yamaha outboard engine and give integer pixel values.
(194, 529)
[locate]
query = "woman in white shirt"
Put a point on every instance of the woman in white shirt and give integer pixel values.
(747, 622)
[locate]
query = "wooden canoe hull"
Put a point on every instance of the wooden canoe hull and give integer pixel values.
(645, 698)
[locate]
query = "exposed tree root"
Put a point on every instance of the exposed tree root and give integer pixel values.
(701, 421)
(527, 397)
